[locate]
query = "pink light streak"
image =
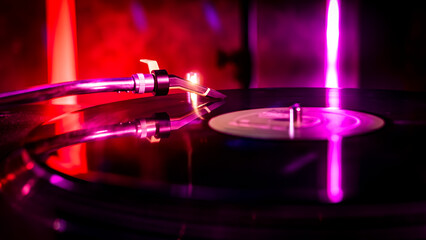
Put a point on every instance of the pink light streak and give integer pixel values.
(334, 151)
(333, 98)
(334, 169)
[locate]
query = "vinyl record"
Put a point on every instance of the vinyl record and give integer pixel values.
(155, 167)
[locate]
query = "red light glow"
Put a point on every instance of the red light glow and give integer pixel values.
(29, 165)
(61, 44)
(70, 160)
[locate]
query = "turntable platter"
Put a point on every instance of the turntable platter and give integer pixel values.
(158, 162)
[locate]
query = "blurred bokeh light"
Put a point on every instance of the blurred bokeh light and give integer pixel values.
(232, 44)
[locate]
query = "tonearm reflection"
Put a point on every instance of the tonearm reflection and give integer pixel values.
(154, 128)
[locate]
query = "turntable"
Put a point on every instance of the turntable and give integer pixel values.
(259, 164)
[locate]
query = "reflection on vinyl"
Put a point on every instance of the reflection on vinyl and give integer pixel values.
(277, 123)
(249, 167)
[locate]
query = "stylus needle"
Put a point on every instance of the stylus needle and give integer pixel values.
(180, 83)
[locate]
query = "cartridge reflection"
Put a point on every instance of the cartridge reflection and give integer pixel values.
(65, 152)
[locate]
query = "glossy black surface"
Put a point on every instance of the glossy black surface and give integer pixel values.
(200, 184)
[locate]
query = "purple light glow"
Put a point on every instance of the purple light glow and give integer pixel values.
(211, 16)
(334, 152)
(138, 15)
(61, 182)
(333, 98)
(332, 44)
(55, 179)
(59, 225)
(334, 169)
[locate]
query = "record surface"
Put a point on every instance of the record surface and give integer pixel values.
(154, 167)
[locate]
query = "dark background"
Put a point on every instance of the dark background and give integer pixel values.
(382, 44)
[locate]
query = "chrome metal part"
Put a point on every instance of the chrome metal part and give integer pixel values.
(295, 112)
(46, 92)
(162, 82)
(144, 83)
